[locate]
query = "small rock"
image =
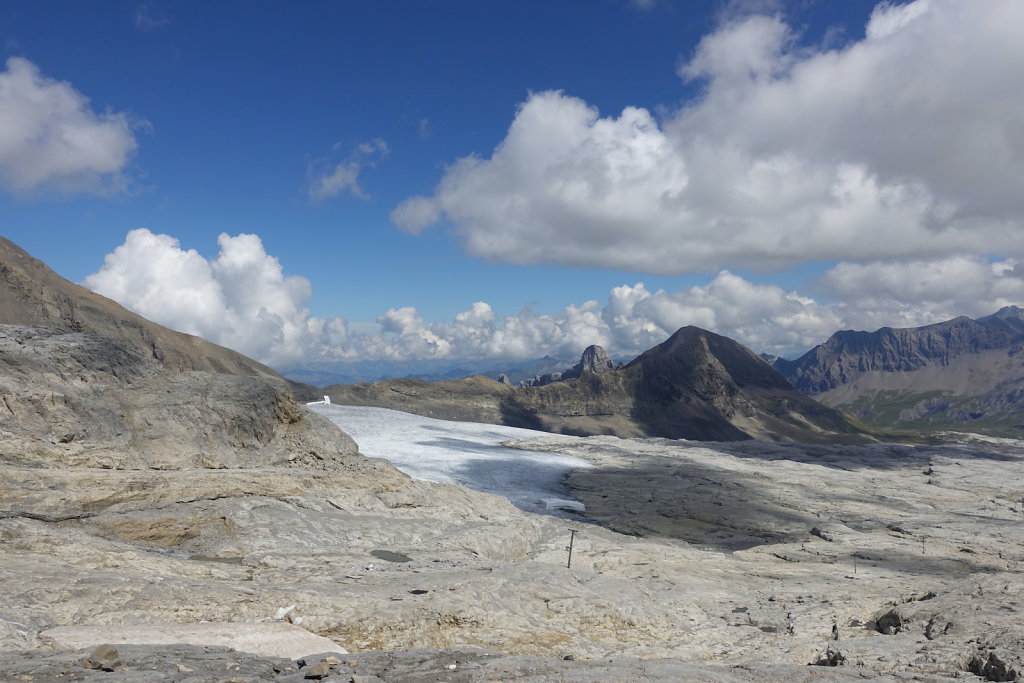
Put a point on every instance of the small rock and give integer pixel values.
(321, 670)
(103, 658)
(283, 612)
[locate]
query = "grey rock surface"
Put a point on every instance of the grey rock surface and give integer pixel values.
(84, 400)
(697, 561)
(270, 638)
(32, 294)
(455, 665)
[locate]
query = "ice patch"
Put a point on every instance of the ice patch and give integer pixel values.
(467, 454)
(565, 505)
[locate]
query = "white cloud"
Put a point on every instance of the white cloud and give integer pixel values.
(242, 299)
(416, 214)
(903, 145)
(326, 181)
(51, 137)
(921, 292)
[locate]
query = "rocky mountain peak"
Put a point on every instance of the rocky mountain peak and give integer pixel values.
(1009, 312)
(594, 360)
(694, 351)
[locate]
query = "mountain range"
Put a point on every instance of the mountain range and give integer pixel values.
(959, 374)
(695, 385)
(322, 374)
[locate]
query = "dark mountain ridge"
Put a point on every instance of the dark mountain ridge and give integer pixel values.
(847, 354)
(942, 375)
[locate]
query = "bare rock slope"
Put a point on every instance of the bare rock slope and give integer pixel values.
(32, 294)
(71, 399)
(957, 374)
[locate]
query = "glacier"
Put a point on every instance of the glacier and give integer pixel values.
(468, 454)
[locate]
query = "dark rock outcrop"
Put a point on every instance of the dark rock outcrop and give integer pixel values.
(542, 380)
(594, 360)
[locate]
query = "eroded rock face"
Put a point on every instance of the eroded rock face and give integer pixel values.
(947, 375)
(455, 665)
(741, 561)
(84, 400)
(594, 360)
(268, 638)
(32, 294)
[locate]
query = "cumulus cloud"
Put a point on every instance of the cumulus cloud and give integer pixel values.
(921, 292)
(327, 181)
(242, 299)
(50, 137)
(416, 214)
(878, 150)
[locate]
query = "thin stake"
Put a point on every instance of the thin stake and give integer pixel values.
(572, 537)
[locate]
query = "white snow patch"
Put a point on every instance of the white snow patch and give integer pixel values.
(467, 454)
(563, 504)
(968, 437)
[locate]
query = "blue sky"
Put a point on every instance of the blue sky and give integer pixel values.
(770, 170)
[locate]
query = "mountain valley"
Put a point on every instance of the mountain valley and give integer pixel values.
(171, 512)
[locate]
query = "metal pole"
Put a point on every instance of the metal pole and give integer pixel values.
(572, 537)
